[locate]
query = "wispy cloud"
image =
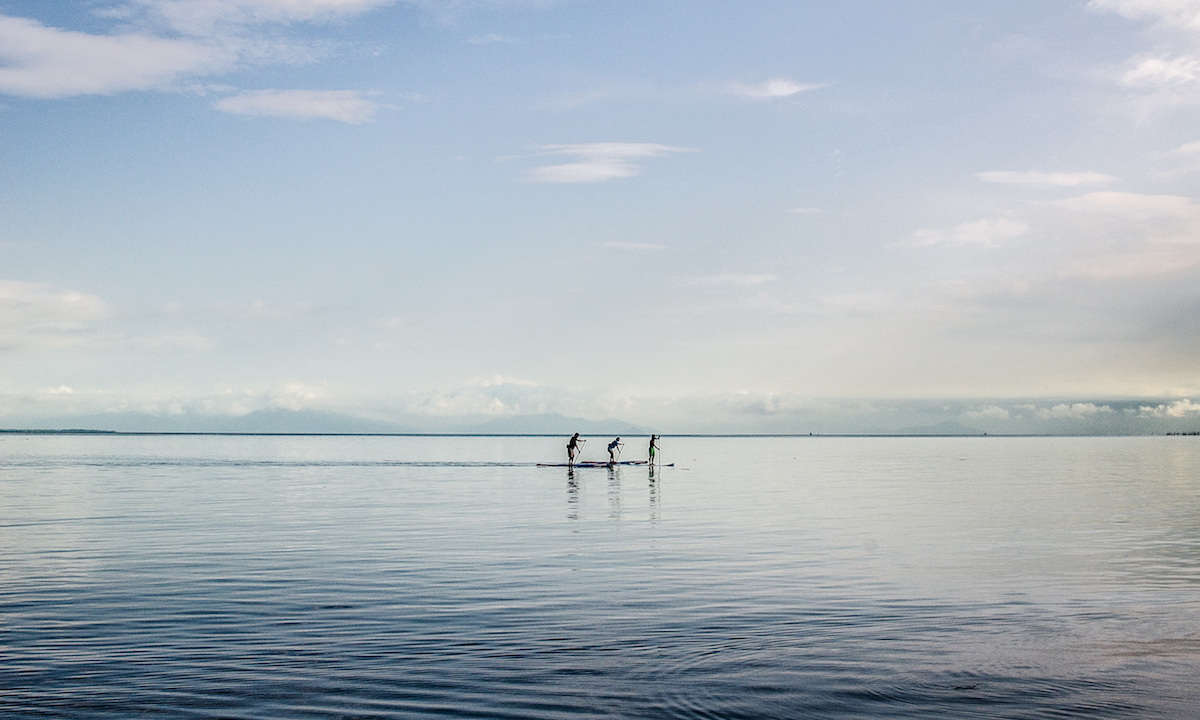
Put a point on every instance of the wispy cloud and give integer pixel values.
(46, 62)
(597, 162)
(36, 315)
(987, 232)
(1170, 75)
(160, 44)
(1179, 14)
(1134, 206)
(1045, 179)
(33, 304)
(780, 87)
(348, 106)
(209, 17)
(1160, 72)
(1072, 411)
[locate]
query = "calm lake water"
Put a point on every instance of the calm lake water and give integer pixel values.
(401, 577)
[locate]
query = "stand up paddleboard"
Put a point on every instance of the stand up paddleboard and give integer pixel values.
(594, 464)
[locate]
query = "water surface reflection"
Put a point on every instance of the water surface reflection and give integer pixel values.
(422, 578)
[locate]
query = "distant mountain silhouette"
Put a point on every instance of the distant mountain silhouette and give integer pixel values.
(554, 424)
(949, 427)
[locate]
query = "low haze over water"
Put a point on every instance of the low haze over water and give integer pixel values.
(411, 577)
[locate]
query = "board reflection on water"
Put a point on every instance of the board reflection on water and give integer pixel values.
(261, 577)
(576, 485)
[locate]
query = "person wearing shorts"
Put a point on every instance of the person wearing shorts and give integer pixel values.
(573, 448)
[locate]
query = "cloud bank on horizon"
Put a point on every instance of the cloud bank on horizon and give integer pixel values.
(221, 205)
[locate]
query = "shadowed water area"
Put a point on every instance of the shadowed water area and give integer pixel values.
(409, 577)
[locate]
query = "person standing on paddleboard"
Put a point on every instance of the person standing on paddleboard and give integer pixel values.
(573, 448)
(653, 449)
(614, 447)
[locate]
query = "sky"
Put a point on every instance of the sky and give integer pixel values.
(691, 215)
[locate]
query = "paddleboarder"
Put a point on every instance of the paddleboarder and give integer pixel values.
(653, 449)
(573, 448)
(614, 447)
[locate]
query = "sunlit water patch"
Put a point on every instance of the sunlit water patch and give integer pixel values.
(376, 577)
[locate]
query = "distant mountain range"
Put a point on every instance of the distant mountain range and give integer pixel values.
(280, 421)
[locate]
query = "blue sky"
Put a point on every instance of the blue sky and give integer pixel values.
(689, 214)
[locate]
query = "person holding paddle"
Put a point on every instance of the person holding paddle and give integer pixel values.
(653, 449)
(574, 448)
(614, 447)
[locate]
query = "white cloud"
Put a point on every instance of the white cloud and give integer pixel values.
(1192, 148)
(348, 106)
(1177, 409)
(597, 162)
(991, 412)
(164, 42)
(500, 381)
(1170, 76)
(37, 316)
(1074, 411)
(773, 88)
(1133, 206)
(501, 395)
(294, 395)
(207, 17)
(32, 305)
(1156, 72)
(1045, 179)
(1181, 14)
(45, 62)
(982, 233)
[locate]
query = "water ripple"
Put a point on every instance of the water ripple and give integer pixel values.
(873, 580)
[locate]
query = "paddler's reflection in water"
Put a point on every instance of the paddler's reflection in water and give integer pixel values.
(654, 497)
(572, 495)
(614, 493)
(615, 508)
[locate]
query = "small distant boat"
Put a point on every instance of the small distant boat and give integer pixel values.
(601, 464)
